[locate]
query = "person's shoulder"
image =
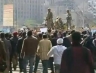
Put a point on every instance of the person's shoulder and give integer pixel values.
(11, 38)
(35, 38)
(85, 48)
(68, 49)
(7, 40)
(41, 40)
(64, 47)
(26, 39)
(1, 41)
(54, 47)
(20, 39)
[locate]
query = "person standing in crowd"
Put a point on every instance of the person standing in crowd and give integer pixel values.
(66, 41)
(89, 42)
(44, 46)
(19, 47)
(37, 55)
(28, 51)
(14, 41)
(57, 52)
(77, 59)
(54, 43)
(70, 35)
(3, 54)
(7, 45)
(7, 36)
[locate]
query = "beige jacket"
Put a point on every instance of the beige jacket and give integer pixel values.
(43, 47)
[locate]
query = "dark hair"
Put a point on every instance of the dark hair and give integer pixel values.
(55, 34)
(72, 31)
(45, 36)
(40, 35)
(6, 35)
(24, 34)
(76, 36)
(29, 33)
(84, 32)
(64, 34)
(2, 35)
(49, 30)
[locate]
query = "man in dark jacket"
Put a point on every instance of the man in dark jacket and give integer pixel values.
(29, 49)
(14, 41)
(77, 59)
(19, 47)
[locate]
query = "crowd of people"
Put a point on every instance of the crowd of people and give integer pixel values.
(61, 51)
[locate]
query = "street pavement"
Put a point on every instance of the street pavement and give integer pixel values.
(40, 69)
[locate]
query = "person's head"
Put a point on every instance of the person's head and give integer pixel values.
(40, 35)
(2, 35)
(84, 32)
(15, 34)
(76, 37)
(60, 19)
(55, 34)
(60, 41)
(68, 11)
(29, 33)
(64, 34)
(45, 36)
(49, 10)
(49, 30)
(6, 35)
(24, 34)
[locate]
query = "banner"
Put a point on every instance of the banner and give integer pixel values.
(8, 15)
(43, 29)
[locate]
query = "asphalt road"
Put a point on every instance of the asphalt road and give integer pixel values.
(39, 69)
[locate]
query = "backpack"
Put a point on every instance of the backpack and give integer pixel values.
(69, 58)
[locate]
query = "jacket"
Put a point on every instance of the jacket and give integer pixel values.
(19, 45)
(44, 46)
(57, 52)
(2, 50)
(77, 60)
(29, 46)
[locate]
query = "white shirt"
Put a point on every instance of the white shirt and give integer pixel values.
(57, 52)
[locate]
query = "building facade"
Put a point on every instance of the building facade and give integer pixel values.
(24, 10)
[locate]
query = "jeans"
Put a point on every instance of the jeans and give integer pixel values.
(36, 63)
(57, 68)
(31, 62)
(51, 64)
(45, 66)
(21, 64)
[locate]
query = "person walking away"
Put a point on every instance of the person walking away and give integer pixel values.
(94, 51)
(3, 54)
(19, 47)
(66, 41)
(14, 41)
(37, 55)
(8, 47)
(28, 51)
(77, 59)
(44, 47)
(54, 43)
(57, 52)
(7, 36)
